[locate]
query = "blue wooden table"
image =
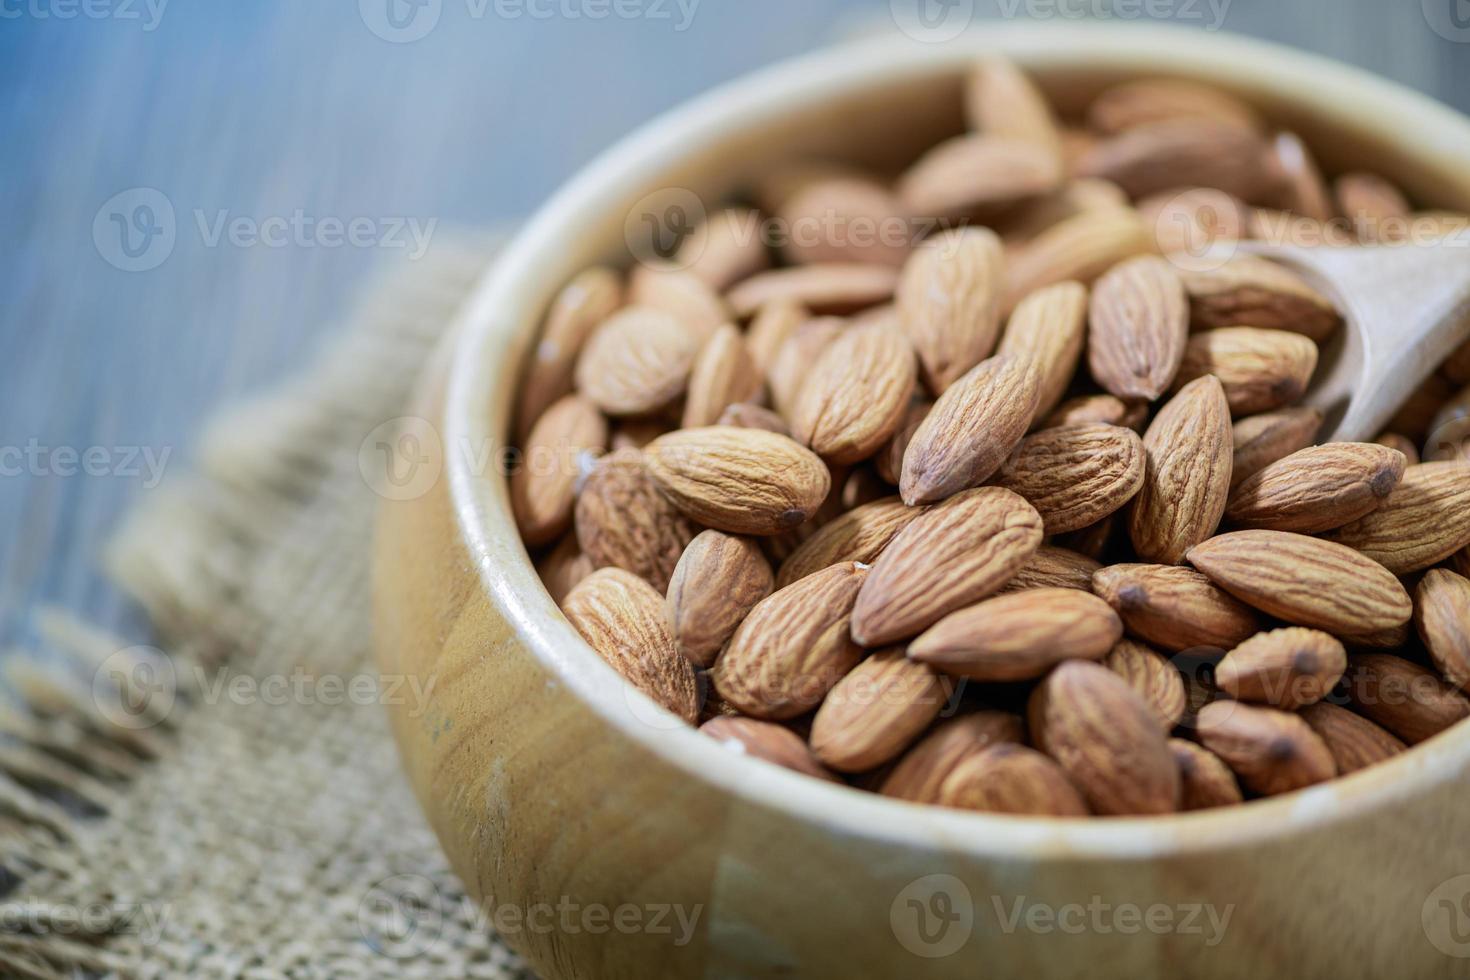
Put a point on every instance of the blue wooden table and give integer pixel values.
(190, 189)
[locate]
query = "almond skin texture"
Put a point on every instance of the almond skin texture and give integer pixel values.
(769, 741)
(1077, 475)
(1409, 701)
(718, 580)
(1000, 100)
(1286, 668)
(857, 394)
(1187, 479)
(623, 521)
(1261, 440)
(835, 288)
(1271, 751)
(637, 361)
(1206, 780)
(1442, 616)
(919, 774)
(723, 374)
(949, 303)
(861, 534)
(873, 713)
(1106, 738)
(1260, 370)
(786, 655)
(582, 304)
(1183, 152)
(1175, 608)
(1049, 326)
(745, 481)
(543, 487)
(970, 431)
(1355, 742)
(978, 176)
(1423, 520)
(1012, 779)
(949, 557)
(562, 568)
(889, 462)
(1318, 488)
(622, 618)
(744, 415)
(1305, 581)
(1054, 568)
(1252, 292)
(1107, 409)
(724, 249)
(792, 364)
(1153, 677)
(1019, 636)
(1081, 247)
(1139, 326)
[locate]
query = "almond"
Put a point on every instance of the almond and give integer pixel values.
(1305, 581)
(919, 775)
(1049, 327)
(570, 434)
(582, 304)
(1107, 409)
(1155, 679)
(768, 741)
(1413, 703)
(1187, 477)
(1000, 100)
(1253, 292)
(1106, 739)
(1139, 327)
(786, 655)
(1422, 521)
(949, 303)
(829, 288)
(889, 461)
(1460, 562)
(718, 580)
(1261, 370)
(1081, 248)
(1286, 668)
(723, 374)
(1416, 415)
(622, 618)
(978, 176)
(1271, 751)
(1368, 201)
(637, 361)
(636, 433)
(1186, 224)
(1054, 568)
(1073, 198)
(1185, 152)
(1261, 440)
(971, 430)
(623, 521)
(1318, 488)
(1019, 636)
(1205, 779)
(562, 568)
(745, 415)
(683, 295)
(1355, 742)
(873, 713)
(1093, 540)
(1077, 475)
(1146, 101)
(859, 535)
(856, 395)
(842, 219)
(1012, 779)
(949, 557)
(1457, 367)
(792, 365)
(1401, 445)
(1175, 608)
(745, 481)
(774, 324)
(1449, 432)
(724, 249)
(1442, 616)
(1306, 192)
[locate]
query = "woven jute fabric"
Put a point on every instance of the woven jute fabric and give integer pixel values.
(229, 803)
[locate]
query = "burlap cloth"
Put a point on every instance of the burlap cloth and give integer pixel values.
(175, 815)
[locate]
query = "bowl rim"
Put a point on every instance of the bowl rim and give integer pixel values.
(493, 324)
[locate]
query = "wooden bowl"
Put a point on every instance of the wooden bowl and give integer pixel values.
(586, 820)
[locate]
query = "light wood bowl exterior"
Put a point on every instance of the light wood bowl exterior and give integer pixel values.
(550, 780)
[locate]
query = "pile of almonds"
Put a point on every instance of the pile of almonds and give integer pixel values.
(1019, 515)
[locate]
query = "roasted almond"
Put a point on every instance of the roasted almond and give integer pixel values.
(792, 365)
(718, 580)
(920, 772)
(1049, 327)
(1146, 101)
(582, 304)
(1106, 738)
(623, 521)
(1261, 370)
(768, 741)
(1082, 247)
(1139, 324)
(723, 374)
(1318, 488)
(1153, 677)
(1305, 581)
(793, 646)
(873, 713)
(1422, 521)
(1010, 778)
(745, 481)
(563, 567)
(1019, 636)
(745, 415)
(1413, 703)
(1253, 292)
(1442, 616)
(1176, 608)
(889, 462)
(1076, 475)
(971, 430)
(978, 175)
(1054, 568)
(844, 218)
(637, 361)
(1000, 100)
(857, 394)
(724, 249)
(951, 556)
(1261, 440)
(1205, 779)
(622, 618)
(1107, 409)
(569, 436)
(681, 294)
(1187, 476)
(1185, 152)
(949, 303)
(1355, 742)
(1271, 751)
(859, 535)
(829, 288)
(1286, 668)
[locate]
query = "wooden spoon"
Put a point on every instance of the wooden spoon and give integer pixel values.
(1407, 308)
